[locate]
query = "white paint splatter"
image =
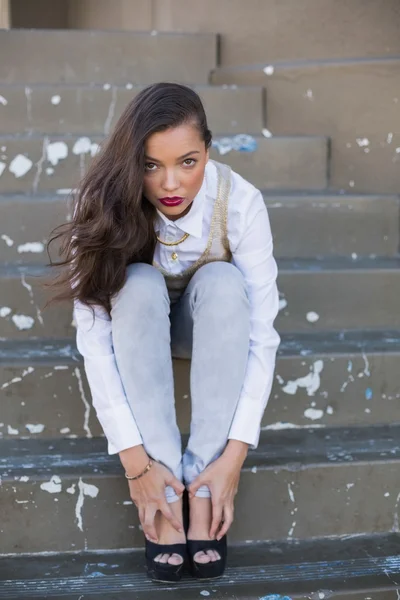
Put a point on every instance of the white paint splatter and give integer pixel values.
(351, 183)
(94, 148)
(21, 501)
(82, 146)
(71, 490)
(2, 167)
(106, 86)
(205, 593)
(290, 491)
(85, 403)
(12, 431)
(314, 414)
(3, 101)
(28, 96)
(129, 86)
(56, 99)
(321, 595)
(27, 371)
(310, 382)
(309, 94)
(27, 286)
(35, 428)
(23, 322)
(85, 489)
(312, 317)
(266, 133)
(398, 150)
(282, 304)
(111, 111)
(396, 528)
(329, 410)
(292, 529)
(53, 486)
(20, 165)
(127, 502)
(362, 142)
(7, 240)
(40, 163)
(354, 256)
(35, 247)
(24, 478)
(65, 430)
(61, 368)
(269, 70)
(254, 470)
(387, 495)
(349, 486)
(49, 171)
(366, 371)
(56, 151)
(65, 191)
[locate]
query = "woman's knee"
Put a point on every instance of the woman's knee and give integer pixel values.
(222, 284)
(144, 284)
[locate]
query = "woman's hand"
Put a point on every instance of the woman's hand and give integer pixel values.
(148, 492)
(222, 477)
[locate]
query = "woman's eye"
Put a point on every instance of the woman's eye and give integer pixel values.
(150, 167)
(189, 162)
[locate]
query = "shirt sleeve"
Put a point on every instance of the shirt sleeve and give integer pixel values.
(253, 257)
(94, 342)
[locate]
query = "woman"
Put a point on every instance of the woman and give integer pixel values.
(170, 254)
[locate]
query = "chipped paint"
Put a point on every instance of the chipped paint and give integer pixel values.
(49, 171)
(56, 151)
(269, 70)
(35, 428)
(291, 494)
(11, 430)
(71, 490)
(32, 300)
(85, 489)
(65, 430)
(362, 142)
(7, 240)
(23, 322)
(53, 486)
(3, 101)
(311, 382)
(24, 478)
(34, 247)
(266, 133)
(313, 414)
(239, 143)
(26, 372)
(5, 311)
(20, 165)
(312, 317)
(55, 100)
(85, 403)
(82, 146)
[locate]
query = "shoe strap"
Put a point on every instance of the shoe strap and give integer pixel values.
(195, 546)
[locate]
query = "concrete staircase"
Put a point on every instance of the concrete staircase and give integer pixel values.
(318, 509)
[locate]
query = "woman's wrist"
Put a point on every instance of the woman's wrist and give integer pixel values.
(134, 460)
(236, 450)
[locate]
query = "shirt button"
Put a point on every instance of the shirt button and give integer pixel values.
(174, 256)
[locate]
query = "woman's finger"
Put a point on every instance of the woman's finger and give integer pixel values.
(228, 520)
(216, 519)
(148, 524)
(176, 485)
(168, 514)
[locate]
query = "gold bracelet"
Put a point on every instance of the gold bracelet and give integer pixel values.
(147, 469)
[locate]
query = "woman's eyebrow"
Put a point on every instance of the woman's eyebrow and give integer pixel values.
(179, 158)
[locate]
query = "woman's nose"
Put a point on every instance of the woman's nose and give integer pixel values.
(171, 182)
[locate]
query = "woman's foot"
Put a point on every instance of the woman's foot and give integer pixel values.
(167, 534)
(199, 528)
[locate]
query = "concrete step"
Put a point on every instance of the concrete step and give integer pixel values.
(316, 295)
(94, 109)
(76, 491)
(359, 117)
(78, 56)
(48, 163)
(351, 569)
(326, 225)
(321, 380)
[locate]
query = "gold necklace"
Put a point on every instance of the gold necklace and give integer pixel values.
(185, 237)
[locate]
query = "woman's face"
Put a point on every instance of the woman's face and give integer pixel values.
(175, 162)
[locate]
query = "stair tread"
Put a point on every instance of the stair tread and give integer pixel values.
(300, 447)
(359, 563)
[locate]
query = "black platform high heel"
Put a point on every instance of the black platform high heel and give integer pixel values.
(210, 570)
(164, 572)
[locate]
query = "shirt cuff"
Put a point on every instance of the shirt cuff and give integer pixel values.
(120, 428)
(247, 421)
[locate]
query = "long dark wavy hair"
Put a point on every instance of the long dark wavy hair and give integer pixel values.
(112, 223)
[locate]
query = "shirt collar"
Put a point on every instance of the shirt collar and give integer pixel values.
(192, 223)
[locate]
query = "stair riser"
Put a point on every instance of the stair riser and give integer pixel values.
(278, 163)
(102, 57)
(336, 298)
(362, 225)
(350, 389)
(68, 109)
(271, 504)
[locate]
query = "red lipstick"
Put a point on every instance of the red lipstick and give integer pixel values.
(171, 200)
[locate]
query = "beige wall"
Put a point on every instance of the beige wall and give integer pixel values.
(253, 31)
(4, 14)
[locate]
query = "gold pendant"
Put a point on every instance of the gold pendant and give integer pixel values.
(174, 256)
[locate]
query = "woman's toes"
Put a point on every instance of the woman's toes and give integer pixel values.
(214, 556)
(202, 558)
(175, 559)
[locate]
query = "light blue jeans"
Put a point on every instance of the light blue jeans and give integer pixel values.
(210, 323)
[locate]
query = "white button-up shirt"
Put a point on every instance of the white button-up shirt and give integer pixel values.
(250, 242)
